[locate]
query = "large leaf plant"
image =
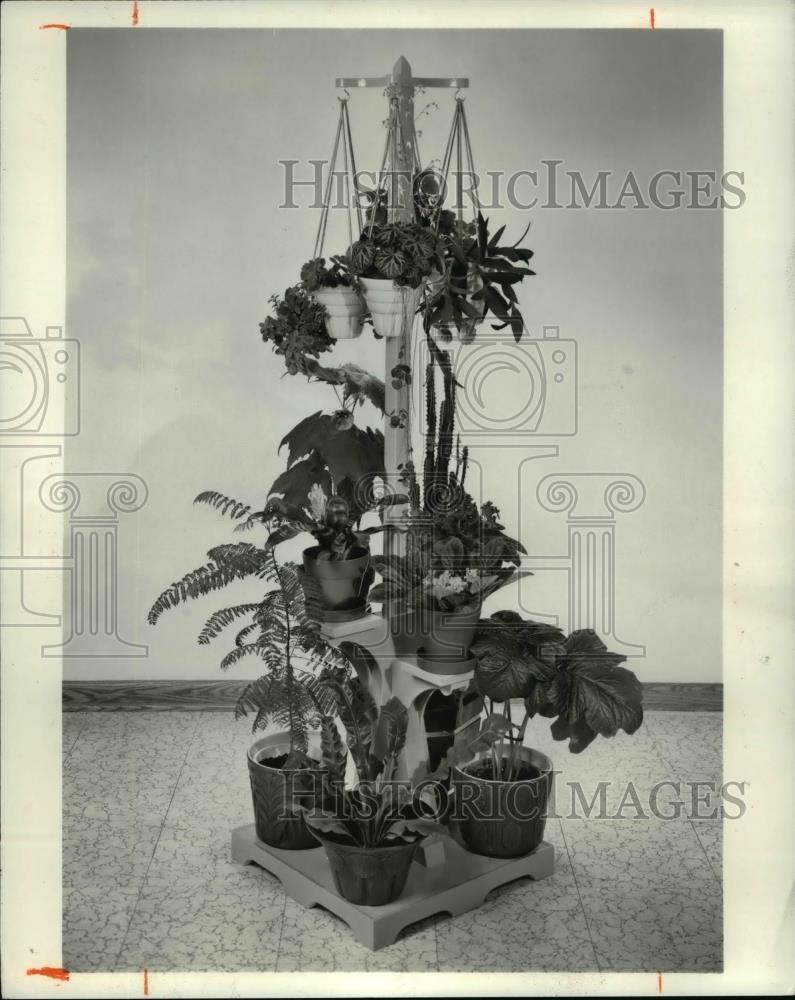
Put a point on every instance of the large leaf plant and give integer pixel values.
(573, 680)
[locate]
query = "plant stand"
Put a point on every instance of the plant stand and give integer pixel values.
(457, 882)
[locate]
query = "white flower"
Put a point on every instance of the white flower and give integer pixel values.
(445, 584)
(317, 501)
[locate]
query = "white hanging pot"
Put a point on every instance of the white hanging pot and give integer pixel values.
(391, 306)
(344, 312)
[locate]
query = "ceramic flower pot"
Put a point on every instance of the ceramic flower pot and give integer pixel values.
(369, 876)
(344, 312)
(272, 791)
(391, 306)
(502, 819)
(344, 583)
(440, 636)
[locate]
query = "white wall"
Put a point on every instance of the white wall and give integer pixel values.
(176, 241)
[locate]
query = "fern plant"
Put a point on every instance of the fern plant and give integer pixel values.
(275, 628)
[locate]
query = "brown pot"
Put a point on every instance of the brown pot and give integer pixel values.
(502, 819)
(271, 791)
(369, 876)
(441, 636)
(344, 583)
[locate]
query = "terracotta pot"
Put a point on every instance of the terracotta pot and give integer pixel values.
(272, 791)
(344, 583)
(436, 635)
(502, 819)
(369, 876)
(345, 312)
(391, 306)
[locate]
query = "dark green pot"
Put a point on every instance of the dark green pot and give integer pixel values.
(502, 819)
(369, 876)
(271, 791)
(344, 583)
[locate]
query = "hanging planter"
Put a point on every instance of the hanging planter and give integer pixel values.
(393, 262)
(344, 312)
(392, 307)
(332, 288)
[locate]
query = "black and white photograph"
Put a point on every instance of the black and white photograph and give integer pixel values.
(386, 498)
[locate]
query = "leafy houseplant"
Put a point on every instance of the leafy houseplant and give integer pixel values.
(276, 629)
(478, 277)
(370, 831)
(392, 262)
(501, 794)
(297, 329)
(456, 553)
(334, 289)
(340, 561)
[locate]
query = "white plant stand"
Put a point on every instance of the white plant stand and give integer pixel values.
(459, 882)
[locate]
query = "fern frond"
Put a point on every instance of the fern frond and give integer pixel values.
(246, 631)
(237, 654)
(226, 505)
(219, 620)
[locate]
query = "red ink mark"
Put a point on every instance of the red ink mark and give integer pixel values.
(61, 27)
(651, 17)
(146, 982)
(659, 974)
(135, 13)
(47, 970)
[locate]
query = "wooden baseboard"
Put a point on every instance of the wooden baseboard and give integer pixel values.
(220, 696)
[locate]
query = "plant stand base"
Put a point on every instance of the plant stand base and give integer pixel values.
(460, 883)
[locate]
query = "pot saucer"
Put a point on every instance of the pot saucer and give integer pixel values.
(445, 666)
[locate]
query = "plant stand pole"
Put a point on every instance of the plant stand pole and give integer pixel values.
(400, 86)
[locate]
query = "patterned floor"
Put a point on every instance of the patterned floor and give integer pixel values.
(150, 799)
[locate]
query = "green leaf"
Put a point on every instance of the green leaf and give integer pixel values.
(390, 732)
(332, 750)
(420, 827)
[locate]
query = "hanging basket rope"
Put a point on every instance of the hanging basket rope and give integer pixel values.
(349, 178)
(459, 142)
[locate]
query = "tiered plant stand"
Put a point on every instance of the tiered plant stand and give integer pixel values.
(446, 878)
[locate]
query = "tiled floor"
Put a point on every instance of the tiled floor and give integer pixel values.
(150, 799)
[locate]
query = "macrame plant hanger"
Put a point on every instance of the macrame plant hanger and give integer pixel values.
(459, 142)
(349, 179)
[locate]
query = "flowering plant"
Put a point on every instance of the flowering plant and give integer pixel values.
(297, 329)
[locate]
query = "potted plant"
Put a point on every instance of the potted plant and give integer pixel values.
(478, 277)
(457, 554)
(340, 561)
(276, 629)
(370, 830)
(333, 288)
(297, 329)
(392, 262)
(500, 786)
